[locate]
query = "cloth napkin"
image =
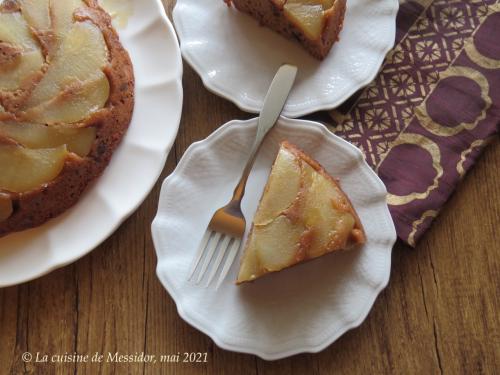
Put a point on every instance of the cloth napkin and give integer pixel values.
(432, 109)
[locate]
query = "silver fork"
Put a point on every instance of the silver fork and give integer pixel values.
(227, 226)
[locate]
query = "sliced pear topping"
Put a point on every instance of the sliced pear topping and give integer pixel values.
(36, 13)
(24, 169)
(75, 103)
(250, 267)
(15, 33)
(281, 190)
(62, 16)
(83, 39)
(13, 75)
(307, 15)
(15, 30)
(320, 213)
(77, 140)
(319, 221)
(6, 208)
(277, 243)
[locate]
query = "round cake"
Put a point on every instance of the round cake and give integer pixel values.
(66, 99)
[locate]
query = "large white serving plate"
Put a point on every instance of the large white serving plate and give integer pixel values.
(152, 44)
(236, 58)
(302, 309)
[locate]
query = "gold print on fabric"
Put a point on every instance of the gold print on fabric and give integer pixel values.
(480, 59)
(417, 223)
(476, 56)
(412, 92)
(433, 149)
(445, 131)
(465, 153)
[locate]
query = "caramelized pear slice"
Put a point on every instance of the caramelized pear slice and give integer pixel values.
(36, 13)
(250, 267)
(62, 16)
(77, 140)
(24, 169)
(76, 103)
(281, 190)
(6, 208)
(307, 15)
(277, 243)
(272, 247)
(13, 75)
(323, 212)
(83, 39)
(15, 30)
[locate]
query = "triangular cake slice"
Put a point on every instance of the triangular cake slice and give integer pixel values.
(315, 24)
(303, 214)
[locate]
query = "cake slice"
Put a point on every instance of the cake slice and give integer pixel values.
(303, 214)
(316, 24)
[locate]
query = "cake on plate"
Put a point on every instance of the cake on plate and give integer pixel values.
(66, 100)
(303, 214)
(316, 24)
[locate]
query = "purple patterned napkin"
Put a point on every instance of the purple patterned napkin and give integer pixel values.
(434, 106)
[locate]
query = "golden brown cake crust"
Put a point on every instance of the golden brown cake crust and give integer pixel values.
(270, 13)
(35, 207)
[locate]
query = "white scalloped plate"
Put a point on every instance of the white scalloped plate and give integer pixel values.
(151, 42)
(236, 58)
(302, 309)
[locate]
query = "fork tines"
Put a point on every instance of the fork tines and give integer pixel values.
(224, 246)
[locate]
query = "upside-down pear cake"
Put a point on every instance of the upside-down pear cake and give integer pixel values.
(303, 214)
(66, 99)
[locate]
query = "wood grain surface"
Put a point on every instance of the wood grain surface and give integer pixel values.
(439, 314)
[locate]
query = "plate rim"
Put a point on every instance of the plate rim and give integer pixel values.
(320, 104)
(305, 348)
(52, 266)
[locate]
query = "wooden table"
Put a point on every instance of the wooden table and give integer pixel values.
(439, 313)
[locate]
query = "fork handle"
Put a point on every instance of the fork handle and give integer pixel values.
(273, 105)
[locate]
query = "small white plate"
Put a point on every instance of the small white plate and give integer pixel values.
(236, 58)
(151, 42)
(302, 309)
